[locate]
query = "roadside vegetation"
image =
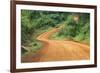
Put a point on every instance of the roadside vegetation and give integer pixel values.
(34, 23)
(76, 27)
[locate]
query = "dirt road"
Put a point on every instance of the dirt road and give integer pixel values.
(57, 50)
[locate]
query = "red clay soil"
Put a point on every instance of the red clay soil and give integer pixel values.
(57, 50)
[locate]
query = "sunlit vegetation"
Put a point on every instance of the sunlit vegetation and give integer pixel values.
(34, 23)
(76, 27)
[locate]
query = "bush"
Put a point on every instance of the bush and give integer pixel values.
(77, 30)
(35, 45)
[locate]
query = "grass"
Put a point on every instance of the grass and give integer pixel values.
(86, 41)
(39, 32)
(32, 47)
(82, 39)
(78, 38)
(56, 37)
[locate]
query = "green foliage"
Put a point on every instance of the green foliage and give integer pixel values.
(69, 28)
(78, 30)
(56, 36)
(35, 45)
(33, 23)
(23, 51)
